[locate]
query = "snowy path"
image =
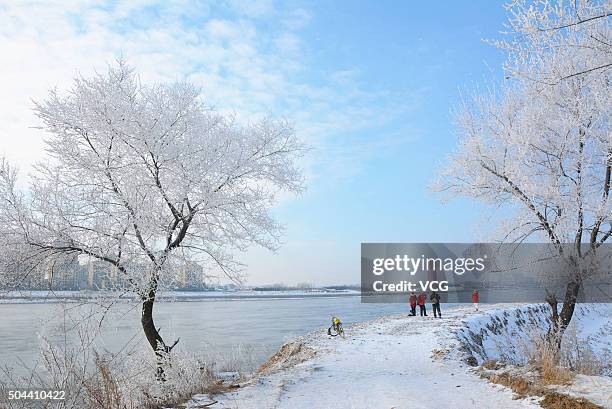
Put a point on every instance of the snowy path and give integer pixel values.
(386, 363)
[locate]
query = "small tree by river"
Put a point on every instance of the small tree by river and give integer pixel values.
(146, 179)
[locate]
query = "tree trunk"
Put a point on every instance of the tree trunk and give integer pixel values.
(148, 325)
(157, 343)
(153, 337)
(551, 299)
(569, 303)
(560, 322)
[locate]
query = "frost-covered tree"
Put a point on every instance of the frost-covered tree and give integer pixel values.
(545, 33)
(145, 179)
(541, 148)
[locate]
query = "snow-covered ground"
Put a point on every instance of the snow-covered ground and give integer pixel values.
(393, 362)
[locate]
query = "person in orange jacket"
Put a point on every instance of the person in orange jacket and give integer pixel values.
(413, 304)
(421, 300)
(475, 298)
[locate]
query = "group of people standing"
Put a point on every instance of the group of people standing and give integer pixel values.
(421, 299)
(434, 297)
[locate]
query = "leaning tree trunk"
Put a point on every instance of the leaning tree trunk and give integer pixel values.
(155, 340)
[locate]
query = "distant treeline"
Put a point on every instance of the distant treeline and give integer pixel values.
(305, 287)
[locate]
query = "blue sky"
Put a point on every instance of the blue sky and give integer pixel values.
(369, 86)
(420, 56)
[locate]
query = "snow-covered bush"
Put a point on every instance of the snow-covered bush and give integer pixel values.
(94, 378)
(103, 380)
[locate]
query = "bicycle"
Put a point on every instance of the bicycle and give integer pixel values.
(336, 328)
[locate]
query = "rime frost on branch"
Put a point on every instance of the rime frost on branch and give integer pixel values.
(540, 148)
(146, 179)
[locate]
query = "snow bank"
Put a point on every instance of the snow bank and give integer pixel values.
(507, 334)
(503, 334)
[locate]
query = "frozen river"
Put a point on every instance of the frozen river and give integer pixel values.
(260, 325)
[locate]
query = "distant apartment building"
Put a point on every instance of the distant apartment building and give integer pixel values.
(79, 275)
(65, 275)
(91, 274)
(190, 277)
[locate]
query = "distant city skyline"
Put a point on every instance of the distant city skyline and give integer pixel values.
(84, 273)
(368, 86)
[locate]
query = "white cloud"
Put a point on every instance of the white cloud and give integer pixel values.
(228, 30)
(243, 67)
(296, 18)
(288, 43)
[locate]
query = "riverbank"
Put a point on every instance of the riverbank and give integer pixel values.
(391, 362)
(64, 296)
